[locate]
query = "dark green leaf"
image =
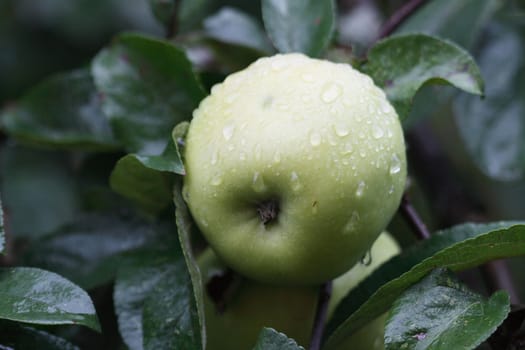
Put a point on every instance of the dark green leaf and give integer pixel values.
(14, 336)
(401, 65)
(170, 319)
(150, 189)
(187, 231)
(169, 160)
(39, 191)
(299, 26)
(41, 297)
(441, 313)
(458, 248)
(459, 21)
(163, 10)
(2, 234)
(235, 27)
(88, 250)
(63, 111)
(144, 279)
(148, 87)
(492, 128)
(270, 339)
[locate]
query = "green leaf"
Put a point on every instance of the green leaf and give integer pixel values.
(270, 339)
(458, 248)
(39, 190)
(187, 231)
(64, 112)
(89, 250)
(41, 297)
(170, 318)
(149, 188)
(441, 313)
(299, 26)
(148, 86)
(145, 275)
(459, 21)
(492, 128)
(401, 65)
(14, 336)
(235, 27)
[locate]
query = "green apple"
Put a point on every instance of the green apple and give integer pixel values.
(371, 336)
(251, 307)
(294, 167)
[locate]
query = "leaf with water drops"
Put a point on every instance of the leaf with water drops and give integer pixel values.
(170, 319)
(64, 111)
(148, 86)
(37, 296)
(299, 26)
(439, 312)
(401, 65)
(270, 339)
(154, 300)
(459, 248)
(16, 336)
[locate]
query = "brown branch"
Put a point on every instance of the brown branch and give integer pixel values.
(173, 23)
(399, 17)
(320, 315)
(413, 219)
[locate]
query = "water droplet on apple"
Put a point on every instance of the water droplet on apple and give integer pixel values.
(391, 189)
(204, 223)
(227, 131)
(315, 138)
(341, 129)
(216, 179)
(296, 184)
(352, 222)
(362, 153)
(377, 132)
(348, 148)
(258, 184)
(360, 188)
(331, 92)
(385, 107)
(395, 165)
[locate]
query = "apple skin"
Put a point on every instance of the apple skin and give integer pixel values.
(371, 336)
(316, 138)
(253, 305)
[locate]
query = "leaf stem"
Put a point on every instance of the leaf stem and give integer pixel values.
(399, 17)
(414, 220)
(173, 23)
(320, 316)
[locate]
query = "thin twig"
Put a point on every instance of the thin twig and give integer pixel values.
(399, 17)
(173, 23)
(413, 219)
(320, 315)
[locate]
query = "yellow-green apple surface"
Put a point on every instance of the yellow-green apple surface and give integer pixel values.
(252, 306)
(371, 336)
(294, 167)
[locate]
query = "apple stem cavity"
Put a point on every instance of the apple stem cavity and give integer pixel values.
(268, 211)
